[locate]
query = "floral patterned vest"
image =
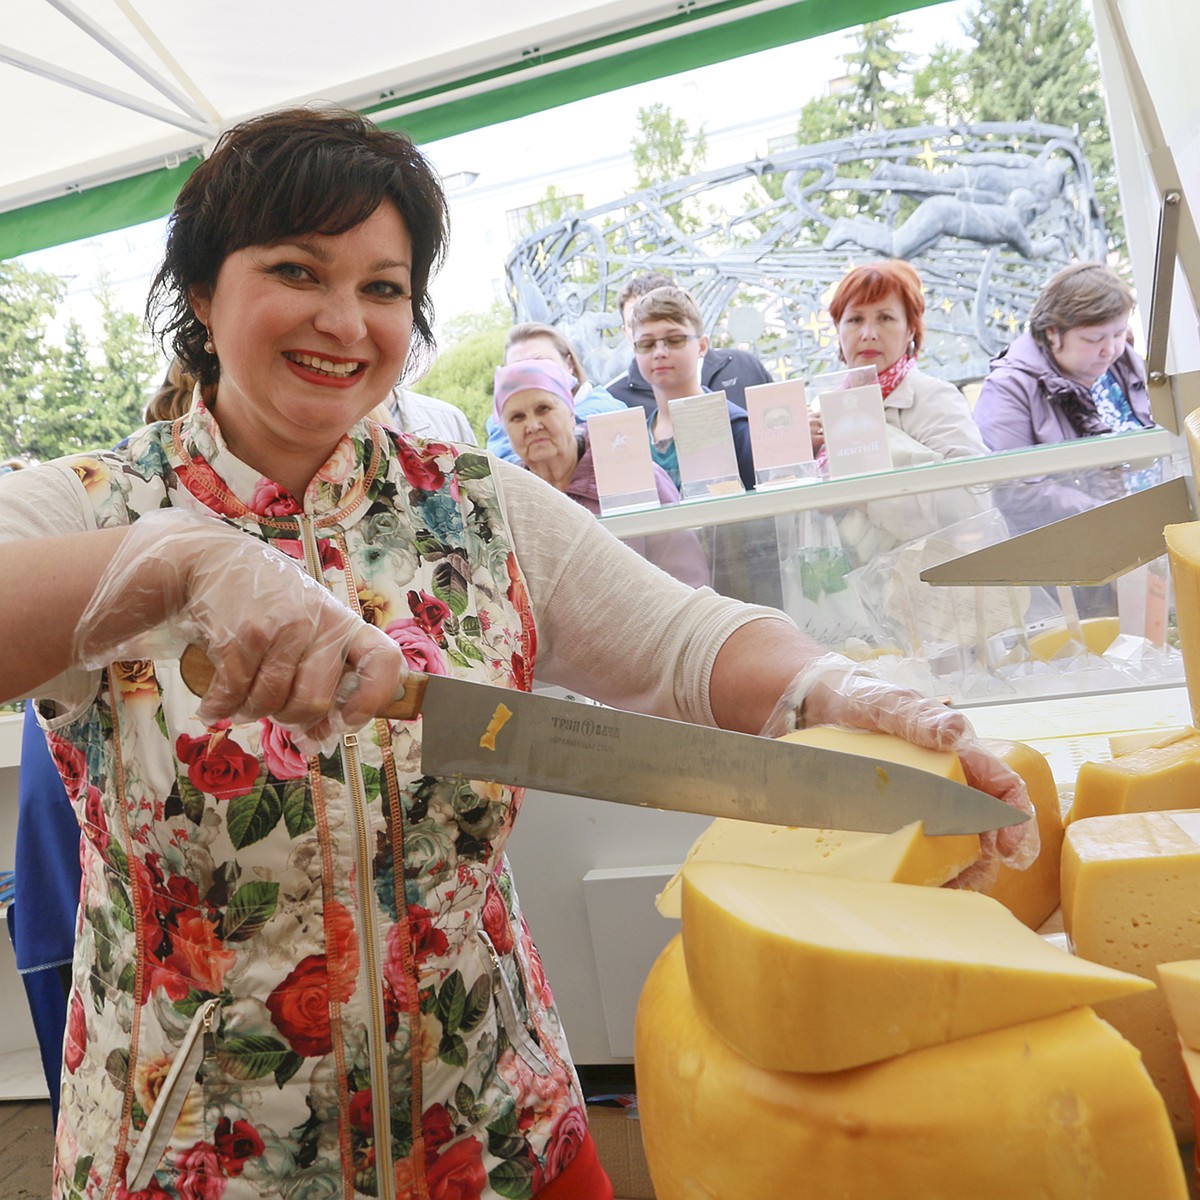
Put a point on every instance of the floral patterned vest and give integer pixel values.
(308, 978)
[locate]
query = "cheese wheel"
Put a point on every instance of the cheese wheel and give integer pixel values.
(1183, 553)
(1059, 1108)
(905, 856)
(818, 973)
(1032, 895)
(1180, 983)
(1154, 779)
(1130, 885)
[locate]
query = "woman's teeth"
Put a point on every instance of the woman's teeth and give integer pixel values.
(340, 370)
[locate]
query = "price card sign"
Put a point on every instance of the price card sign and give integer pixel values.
(779, 430)
(621, 458)
(856, 440)
(704, 445)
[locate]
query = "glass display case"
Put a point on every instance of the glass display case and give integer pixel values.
(844, 558)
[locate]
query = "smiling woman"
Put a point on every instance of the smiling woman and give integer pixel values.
(302, 965)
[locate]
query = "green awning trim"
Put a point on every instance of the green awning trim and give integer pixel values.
(127, 202)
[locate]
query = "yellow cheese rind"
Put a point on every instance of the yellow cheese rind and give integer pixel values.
(1059, 1108)
(905, 856)
(819, 973)
(1183, 553)
(1154, 779)
(1180, 984)
(1131, 891)
(1032, 895)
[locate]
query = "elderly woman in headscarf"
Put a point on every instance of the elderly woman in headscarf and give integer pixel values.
(535, 404)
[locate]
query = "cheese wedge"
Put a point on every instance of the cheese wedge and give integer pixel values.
(1098, 634)
(1180, 983)
(818, 973)
(1058, 1108)
(1032, 895)
(906, 856)
(1130, 889)
(1154, 779)
(1191, 1070)
(1183, 553)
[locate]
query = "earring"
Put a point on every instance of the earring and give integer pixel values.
(209, 344)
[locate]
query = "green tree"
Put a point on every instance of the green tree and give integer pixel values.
(28, 301)
(59, 399)
(464, 369)
(878, 70)
(1035, 60)
(942, 86)
(664, 148)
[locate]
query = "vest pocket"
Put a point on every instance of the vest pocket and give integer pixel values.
(518, 1031)
(197, 1044)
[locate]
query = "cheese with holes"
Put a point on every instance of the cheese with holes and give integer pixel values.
(1032, 895)
(1154, 779)
(1131, 900)
(1058, 1108)
(905, 856)
(1183, 553)
(1180, 983)
(819, 973)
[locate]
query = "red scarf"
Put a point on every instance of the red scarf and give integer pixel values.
(890, 377)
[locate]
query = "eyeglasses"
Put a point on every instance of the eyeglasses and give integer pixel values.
(672, 341)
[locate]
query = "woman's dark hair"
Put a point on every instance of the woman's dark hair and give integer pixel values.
(287, 173)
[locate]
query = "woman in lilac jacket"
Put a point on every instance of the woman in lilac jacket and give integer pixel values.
(1072, 375)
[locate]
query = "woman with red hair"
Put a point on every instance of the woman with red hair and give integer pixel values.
(879, 312)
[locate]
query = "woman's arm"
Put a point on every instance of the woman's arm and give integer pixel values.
(45, 585)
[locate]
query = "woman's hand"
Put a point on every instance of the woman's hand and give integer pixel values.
(832, 690)
(279, 640)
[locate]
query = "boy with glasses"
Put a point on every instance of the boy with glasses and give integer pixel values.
(669, 344)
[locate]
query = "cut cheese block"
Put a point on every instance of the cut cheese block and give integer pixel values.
(1183, 552)
(1032, 895)
(1151, 780)
(1127, 743)
(1191, 1070)
(1060, 1108)
(906, 856)
(1130, 889)
(1180, 983)
(819, 973)
(1098, 634)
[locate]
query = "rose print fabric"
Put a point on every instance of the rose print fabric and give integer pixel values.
(382, 1025)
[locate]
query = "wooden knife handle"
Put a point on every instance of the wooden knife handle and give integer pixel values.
(197, 670)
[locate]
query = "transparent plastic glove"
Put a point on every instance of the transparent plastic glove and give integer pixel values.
(833, 690)
(279, 640)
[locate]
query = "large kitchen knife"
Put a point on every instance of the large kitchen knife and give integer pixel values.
(520, 738)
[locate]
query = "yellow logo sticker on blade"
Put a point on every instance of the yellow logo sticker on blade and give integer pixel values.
(499, 718)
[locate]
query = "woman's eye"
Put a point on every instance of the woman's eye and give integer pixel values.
(290, 270)
(387, 289)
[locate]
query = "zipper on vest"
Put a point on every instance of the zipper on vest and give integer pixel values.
(199, 1044)
(381, 1106)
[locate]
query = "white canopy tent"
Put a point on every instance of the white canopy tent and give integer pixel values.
(109, 103)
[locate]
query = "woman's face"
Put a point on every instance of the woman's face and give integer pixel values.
(542, 430)
(311, 334)
(874, 335)
(540, 347)
(1087, 351)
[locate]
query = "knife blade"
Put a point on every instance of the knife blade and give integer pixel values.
(476, 731)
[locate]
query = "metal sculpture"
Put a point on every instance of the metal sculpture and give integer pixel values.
(986, 213)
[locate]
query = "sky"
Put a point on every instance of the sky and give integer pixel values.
(581, 148)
